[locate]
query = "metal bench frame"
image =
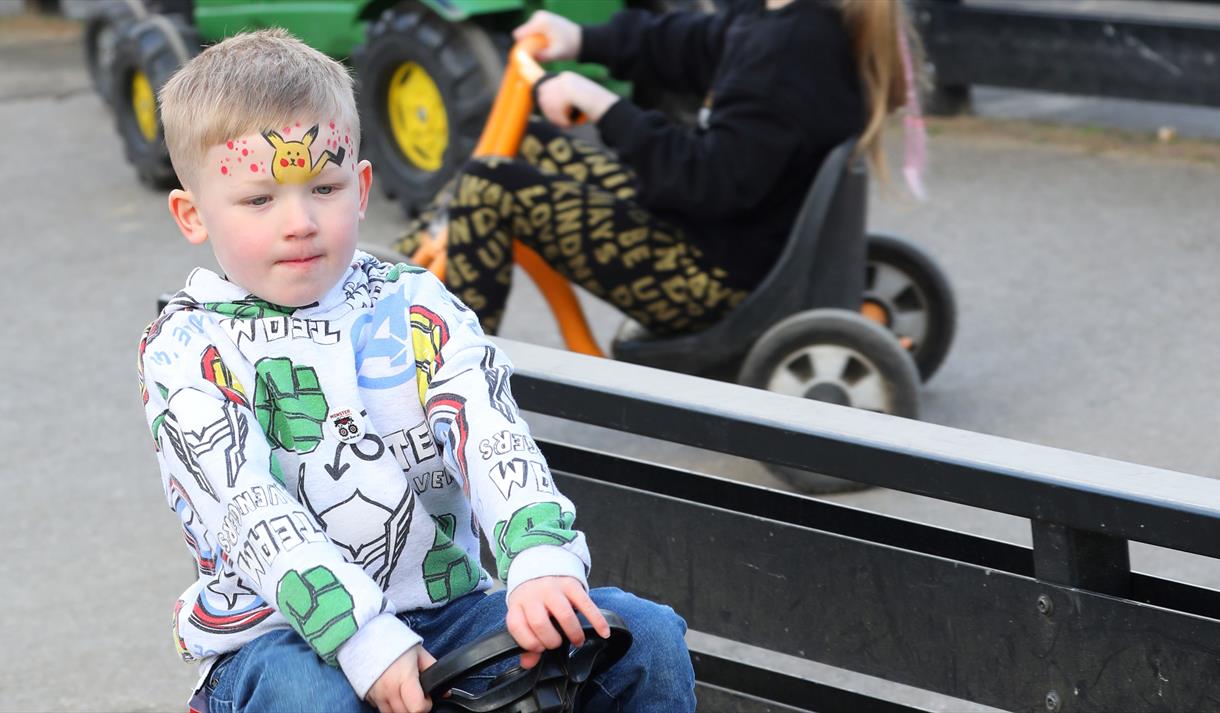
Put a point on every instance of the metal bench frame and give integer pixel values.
(1064, 626)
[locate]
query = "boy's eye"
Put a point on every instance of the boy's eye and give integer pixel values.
(258, 200)
(325, 190)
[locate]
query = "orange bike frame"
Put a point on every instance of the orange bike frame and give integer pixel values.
(502, 137)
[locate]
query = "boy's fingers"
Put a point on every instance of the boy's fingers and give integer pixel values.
(395, 703)
(413, 697)
(520, 629)
(594, 615)
(539, 619)
(529, 659)
(563, 613)
(425, 659)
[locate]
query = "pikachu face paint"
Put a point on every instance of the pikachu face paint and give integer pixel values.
(293, 162)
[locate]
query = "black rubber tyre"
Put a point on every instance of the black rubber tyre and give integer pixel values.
(835, 356)
(154, 47)
(99, 37)
(915, 296)
(464, 64)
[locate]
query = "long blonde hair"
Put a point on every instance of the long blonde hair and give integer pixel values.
(874, 27)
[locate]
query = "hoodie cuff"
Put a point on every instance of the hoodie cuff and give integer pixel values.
(596, 43)
(372, 649)
(544, 561)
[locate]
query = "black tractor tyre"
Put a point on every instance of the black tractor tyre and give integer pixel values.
(155, 48)
(865, 358)
(927, 294)
(463, 61)
(101, 34)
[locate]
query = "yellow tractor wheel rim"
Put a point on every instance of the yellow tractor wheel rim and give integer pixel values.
(144, 105)
(417, 116)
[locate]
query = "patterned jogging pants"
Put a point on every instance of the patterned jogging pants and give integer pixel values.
(573, 204)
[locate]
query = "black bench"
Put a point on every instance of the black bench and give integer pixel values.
(1062, 626)
(1099, 49)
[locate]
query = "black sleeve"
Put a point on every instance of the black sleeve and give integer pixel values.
(725, 171)
(678, 51)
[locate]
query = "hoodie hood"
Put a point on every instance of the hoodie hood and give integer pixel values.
(206, 290)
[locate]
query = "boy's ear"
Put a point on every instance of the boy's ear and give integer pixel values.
(186, 214)
(364, 176)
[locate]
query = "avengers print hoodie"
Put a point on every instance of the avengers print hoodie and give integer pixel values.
(334, 464)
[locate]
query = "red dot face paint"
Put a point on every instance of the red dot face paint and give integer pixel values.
(301, 162)
(245, 152)
(229, 144)
(254, 168)
(332, 124)
(224, 170)
(284, 162)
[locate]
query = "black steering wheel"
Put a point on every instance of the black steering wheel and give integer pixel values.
(551, 686)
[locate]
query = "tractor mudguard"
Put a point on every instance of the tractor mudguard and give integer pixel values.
(458, 10)
(582, 11)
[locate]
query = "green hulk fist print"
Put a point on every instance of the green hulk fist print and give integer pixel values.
(289, 404)
(448, 572)
(532, 525)
(318, 608)
(249, 308)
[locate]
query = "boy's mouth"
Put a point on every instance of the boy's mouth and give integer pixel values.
(300, 262)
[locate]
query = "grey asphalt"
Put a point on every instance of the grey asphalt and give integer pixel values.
(1084, 277)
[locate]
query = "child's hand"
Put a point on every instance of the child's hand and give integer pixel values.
(557, 98)
(562, 35)
(397, 690)
(534, 603)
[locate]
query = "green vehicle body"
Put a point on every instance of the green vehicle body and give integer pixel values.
(337, 26)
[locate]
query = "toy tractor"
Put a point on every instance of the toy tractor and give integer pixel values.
(427, 70)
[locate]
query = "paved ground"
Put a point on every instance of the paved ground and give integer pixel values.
(1084, 266)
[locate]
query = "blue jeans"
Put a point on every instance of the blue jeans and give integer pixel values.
(279, 672)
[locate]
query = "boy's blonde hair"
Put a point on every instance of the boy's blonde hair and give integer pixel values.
(250, 82)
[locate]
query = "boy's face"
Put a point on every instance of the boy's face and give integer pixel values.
(281, 208)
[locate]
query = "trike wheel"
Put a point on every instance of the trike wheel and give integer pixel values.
(426, 86)
(907, 292)
(146, 54)
(838, 357)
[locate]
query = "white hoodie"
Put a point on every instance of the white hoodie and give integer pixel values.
(332, 464)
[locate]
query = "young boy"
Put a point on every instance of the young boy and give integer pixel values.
(334, 432)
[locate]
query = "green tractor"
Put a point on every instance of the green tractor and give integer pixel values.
(426, 69)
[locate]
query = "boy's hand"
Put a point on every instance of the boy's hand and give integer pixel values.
(562, 35)
(557, 98)
(398, 690)
(534, 603)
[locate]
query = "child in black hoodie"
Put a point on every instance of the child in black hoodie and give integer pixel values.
(677, 225)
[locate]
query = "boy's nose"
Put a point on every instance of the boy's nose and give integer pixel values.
(298, 219)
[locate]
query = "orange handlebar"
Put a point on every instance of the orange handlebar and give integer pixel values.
(502, 137)
(506, 124)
